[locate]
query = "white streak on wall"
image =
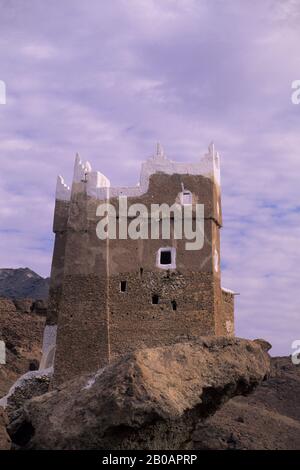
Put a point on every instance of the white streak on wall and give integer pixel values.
(2, 353)
(216, 260)
(49, 341)
(229, 327)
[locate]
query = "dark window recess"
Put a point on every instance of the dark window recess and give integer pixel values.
(165, 257)
(141, 272)
(174, 304)
(123, 286)
(155, 299)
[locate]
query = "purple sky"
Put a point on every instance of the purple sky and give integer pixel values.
(110, 78)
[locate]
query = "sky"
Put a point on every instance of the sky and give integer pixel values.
(108, 79)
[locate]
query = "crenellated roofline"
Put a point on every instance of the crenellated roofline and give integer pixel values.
(98, 185)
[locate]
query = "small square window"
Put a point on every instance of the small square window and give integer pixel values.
(165, 257)
(186, 197)
(155, 299)
(123, 286)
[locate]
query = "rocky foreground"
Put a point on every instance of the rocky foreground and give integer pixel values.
(150, 399)
(207, 393)
(21, 328)
(267, 419)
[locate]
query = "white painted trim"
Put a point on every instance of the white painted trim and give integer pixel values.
(63, 192)
(216, 260)
(173, 258)
(229, 291)
(184, 193)
(98, 185)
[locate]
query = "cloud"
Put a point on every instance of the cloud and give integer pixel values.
(109, 79)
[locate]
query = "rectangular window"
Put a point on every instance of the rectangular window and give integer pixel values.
(165, 257)
(187, 198)
(123, 286)
(155, 299)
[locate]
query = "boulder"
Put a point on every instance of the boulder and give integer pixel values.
(22, 334)
(149, 399)
(268, 419)
(265, 345)
(29, 385)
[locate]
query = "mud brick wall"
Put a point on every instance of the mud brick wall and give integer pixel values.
(61, 215)
(184, 308)
(97, 322)
(228, 313)
(82, 336)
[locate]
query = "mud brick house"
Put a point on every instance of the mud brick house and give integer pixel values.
(108, 297)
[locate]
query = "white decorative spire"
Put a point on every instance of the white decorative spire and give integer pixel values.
(160, 154)
(88, 167)
(81, 169)
(214, 155)
(63, 192)
(211, 149)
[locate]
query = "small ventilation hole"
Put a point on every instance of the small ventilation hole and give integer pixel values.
(123, 286)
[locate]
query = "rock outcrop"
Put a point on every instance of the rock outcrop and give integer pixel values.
(267, 419)
(150, 399)
(29, 385)
(22, 333)
(5, 442)
(30, 306)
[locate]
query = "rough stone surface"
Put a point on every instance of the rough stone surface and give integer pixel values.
(40, 307)
(149, 399)
(5, 442)
(22, 334)
(267, 419)
(24, 305)
(30, 385)
(266, 346)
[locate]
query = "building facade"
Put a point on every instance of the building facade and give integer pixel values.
(111, 296)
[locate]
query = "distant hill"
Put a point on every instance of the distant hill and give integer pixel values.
(23, 283)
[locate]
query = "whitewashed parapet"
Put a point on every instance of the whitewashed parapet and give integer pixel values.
(208, 166)
(63, 191)
(81, 169)
(93, 180)
(98, 186)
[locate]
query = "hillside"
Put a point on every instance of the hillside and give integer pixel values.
(23, 283)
